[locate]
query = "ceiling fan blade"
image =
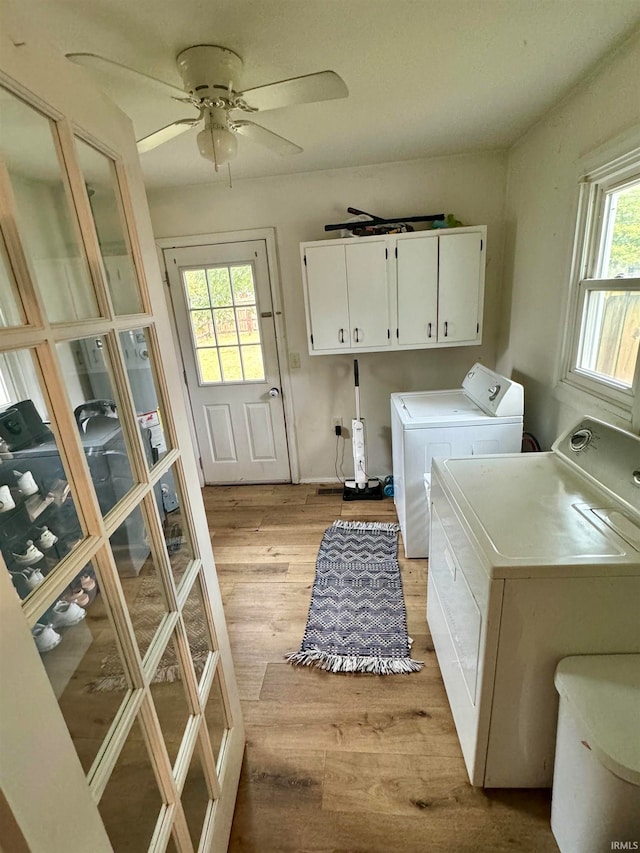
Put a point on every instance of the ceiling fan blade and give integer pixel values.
(265, 137)
(99, 63)
(158, 137)
(323, 86)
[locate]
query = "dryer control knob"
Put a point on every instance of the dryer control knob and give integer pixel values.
(580, 439)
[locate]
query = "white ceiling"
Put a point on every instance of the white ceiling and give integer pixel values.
(425, 77)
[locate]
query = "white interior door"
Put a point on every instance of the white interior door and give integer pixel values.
(222, 302)
(121, 726)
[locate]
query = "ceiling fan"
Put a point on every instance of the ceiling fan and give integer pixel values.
(211, 75)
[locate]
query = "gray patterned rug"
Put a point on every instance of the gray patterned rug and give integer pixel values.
(357, 620)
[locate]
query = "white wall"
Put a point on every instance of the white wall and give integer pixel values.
(540, 212)
(298, 206)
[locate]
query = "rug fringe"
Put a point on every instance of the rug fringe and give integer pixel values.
(354, 663)
(387, 526)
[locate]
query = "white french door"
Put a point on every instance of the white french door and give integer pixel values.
(120, 718)
(221, 297)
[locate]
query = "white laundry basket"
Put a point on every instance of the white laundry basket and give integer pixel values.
(596, 783)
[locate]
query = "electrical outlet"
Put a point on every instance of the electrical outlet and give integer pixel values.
(294, 360)
(336, 422)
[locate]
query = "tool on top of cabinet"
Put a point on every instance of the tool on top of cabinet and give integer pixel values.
(376, 225)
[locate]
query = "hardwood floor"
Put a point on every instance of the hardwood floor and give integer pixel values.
(357, 763)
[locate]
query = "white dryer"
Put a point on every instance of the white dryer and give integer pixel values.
(483, 416)
(533, 557)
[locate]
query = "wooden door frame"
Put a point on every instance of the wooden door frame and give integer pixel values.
(268, 235)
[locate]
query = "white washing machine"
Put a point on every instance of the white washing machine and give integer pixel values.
(483, 416)
(533, 557)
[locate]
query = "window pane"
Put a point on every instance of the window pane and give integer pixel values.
(248, 325)
(621, 256)
(131, 802)
(78, 647)
(611, 334)
(195, 798)
(219, 286)
(216, 716)
(243, 289)
(231, 365)
(140, 582)
(176, 534)
(102, 189)
(86, 370)
(170, 700)
(252, 363)
(209, 365)
(38, 520)
(141, 371)
(45, 216)
(11, 313)
(202, 325)
(195, 624)
(196, 286)
(226, 330)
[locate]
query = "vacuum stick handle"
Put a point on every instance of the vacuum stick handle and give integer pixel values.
(356, 375)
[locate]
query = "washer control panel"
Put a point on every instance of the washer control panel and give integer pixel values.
(607, 454)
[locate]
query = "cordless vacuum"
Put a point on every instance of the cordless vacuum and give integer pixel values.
(361, 487)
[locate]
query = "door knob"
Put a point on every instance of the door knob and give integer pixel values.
(274, 392)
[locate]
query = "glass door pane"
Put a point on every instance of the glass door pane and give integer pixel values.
(104, 198)
(11, 311)
(45, 213)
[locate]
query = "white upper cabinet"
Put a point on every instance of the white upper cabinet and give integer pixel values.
(417, 277)
(460, 287)
(404, 291)
(347, 295)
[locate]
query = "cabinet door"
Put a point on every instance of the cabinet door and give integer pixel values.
(326, 275)
(459, 287)
(368, 294)
(417, 266)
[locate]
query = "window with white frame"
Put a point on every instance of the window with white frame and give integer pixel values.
(603, 351)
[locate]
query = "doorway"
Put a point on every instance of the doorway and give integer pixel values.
(225, 317)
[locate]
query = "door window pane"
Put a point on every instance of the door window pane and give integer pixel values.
(138, 359)
(195, 798)
(195, 623)
(39, 524)
(139, 577)
(86, 368)
(224, 320)
(104, 198)
(169, 697)
(11, 313)
(174, 526)
(78, 648)
(216, 717)
(131, 802)
(45, 215)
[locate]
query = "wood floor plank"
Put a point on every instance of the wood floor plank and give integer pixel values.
(250, 572)
(420, 728)
(286, 683)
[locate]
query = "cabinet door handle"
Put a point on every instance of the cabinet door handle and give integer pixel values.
(446, 328)
(341, 336)
(429, 330)
(356, 335)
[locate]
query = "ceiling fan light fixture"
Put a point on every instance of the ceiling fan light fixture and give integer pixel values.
(216, 142)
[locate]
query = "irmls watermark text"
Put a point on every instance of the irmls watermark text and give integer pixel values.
(625, 845)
